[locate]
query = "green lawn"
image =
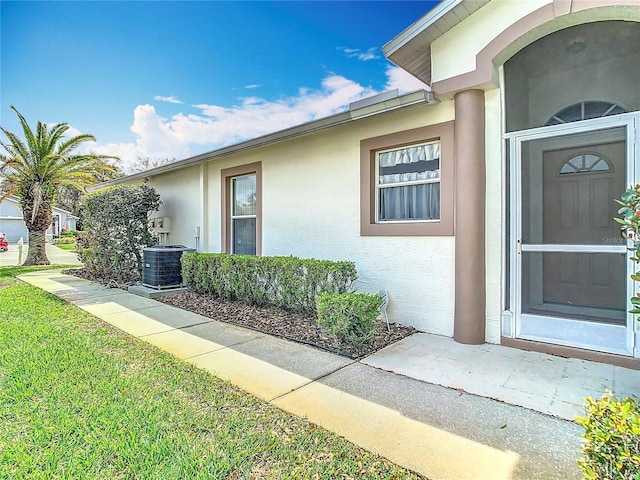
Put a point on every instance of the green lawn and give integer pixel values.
(81, 400)
(67, 246)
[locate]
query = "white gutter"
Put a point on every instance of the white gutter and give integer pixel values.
(355, 112)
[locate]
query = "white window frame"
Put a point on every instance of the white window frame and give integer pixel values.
(239, 217)
(379, 187)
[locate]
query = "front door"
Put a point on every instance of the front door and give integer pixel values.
(579, 186)
(569, 264)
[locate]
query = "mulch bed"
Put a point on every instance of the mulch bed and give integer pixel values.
(280, 323)
(292, 326)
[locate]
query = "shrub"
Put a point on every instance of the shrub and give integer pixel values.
(116, 222)
(69, 233)
(287, 282)
(64, 240)
(350, 316)
(611, 439)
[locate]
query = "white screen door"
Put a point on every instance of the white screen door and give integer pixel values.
(569, 267)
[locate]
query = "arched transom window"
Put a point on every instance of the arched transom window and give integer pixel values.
(584, 111)
(585, 163)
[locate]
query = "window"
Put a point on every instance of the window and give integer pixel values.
(243, 214)
(241, 209)
(406, 185)
(585, 111)
(584, 163)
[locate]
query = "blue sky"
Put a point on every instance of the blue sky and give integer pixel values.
(178, 78)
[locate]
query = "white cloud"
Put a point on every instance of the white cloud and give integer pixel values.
(363, 55)
(255, 85)
(170, 99)
(403, 81)
(215, 126)
(72, 132)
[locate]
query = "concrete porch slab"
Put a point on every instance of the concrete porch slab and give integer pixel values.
(544, 383)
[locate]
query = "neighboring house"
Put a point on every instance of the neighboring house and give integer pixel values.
(485, 207)
(12, 224)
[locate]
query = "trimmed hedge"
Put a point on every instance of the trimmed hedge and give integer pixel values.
(611, 439)
(287, 282)
(64, 240)
(349, 316)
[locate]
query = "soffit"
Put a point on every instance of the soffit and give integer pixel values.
(411, 49)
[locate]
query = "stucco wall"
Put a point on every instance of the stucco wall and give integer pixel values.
(310, 205)
(180, 195)
(319, 217)
(494, 220)
(454, 53)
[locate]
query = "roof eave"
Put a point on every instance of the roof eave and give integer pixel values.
(387, 105)
(411, 49)
(418, 26)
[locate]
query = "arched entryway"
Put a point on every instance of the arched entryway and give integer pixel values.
(572, 104)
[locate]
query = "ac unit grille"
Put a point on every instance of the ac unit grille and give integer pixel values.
(161, 266)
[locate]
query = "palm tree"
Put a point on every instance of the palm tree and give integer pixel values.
(37, 168)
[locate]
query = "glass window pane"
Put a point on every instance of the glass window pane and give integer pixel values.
(409, 202)
(244, 236)
(244, 195)
(584, 286)
(421, 162)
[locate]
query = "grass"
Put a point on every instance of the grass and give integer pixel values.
(67, 246)
(80, 399)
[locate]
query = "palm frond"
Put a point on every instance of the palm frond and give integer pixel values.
(31, 139)
(74, 142)
(15, 147)
(38, 166)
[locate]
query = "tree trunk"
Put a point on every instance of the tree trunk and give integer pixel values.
(37, 254)
(37, 223)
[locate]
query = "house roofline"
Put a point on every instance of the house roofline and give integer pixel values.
(15, 199)
(383, 103)
(409, 33)
(411, 48)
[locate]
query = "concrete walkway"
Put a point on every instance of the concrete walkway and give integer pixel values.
(56, 256)
(408, 402)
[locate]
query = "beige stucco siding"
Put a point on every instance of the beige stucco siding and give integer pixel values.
(311, 208)
(180, 197)
(454, 53)
(494, 219)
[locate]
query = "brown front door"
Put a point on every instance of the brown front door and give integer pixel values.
(580, 185)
